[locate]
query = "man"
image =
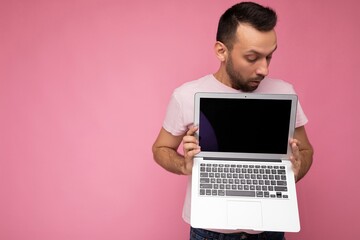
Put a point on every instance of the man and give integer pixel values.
(246, 41)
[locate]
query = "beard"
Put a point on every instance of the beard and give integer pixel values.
(238, 82)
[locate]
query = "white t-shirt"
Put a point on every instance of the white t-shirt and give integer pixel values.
(180, 111)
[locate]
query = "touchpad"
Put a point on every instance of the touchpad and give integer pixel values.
(244, 214)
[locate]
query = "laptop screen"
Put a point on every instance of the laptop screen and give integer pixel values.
(243, 125)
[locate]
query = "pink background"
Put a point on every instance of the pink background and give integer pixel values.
(83, 91)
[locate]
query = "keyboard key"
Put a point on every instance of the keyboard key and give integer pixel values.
(204, 180)
(206, 186)
(281, 183)
(280, 189)
(259, 194)
(240, 193)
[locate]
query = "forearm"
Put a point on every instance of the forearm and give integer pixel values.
(306, 162)
(169, 159)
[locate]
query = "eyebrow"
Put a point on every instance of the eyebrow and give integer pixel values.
(261, 54)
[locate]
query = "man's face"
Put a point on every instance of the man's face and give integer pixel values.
(250, 57)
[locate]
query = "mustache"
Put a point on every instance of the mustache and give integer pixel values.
(257, 79)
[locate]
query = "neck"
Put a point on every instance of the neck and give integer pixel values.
(223, 77)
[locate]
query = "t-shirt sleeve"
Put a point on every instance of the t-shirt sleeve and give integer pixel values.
(301, 118)
(173, 122)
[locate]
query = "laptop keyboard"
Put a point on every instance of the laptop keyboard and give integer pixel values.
(254, 180)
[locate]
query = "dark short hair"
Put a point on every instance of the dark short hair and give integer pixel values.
(261, 18)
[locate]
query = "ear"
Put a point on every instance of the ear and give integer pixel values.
(221, 51)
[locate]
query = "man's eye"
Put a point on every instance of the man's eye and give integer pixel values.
(252, 58)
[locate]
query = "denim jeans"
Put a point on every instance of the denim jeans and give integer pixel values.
(201, 234)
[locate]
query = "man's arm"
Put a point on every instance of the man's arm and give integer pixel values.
(165, 151)
(302, 150)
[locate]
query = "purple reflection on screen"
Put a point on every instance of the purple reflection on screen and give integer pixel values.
(207, 136)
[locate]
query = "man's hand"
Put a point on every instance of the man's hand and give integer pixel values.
(166, 154)
(302, 153)
(191, 148)
(295, 157)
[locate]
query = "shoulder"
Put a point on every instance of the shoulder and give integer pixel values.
(270, 85)
(186, 91)
(194, 85)
(180, 109)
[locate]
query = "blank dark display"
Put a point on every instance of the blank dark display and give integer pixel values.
(244, 125)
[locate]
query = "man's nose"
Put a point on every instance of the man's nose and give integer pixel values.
(263, 67)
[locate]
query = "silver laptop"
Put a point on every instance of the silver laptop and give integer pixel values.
(242, 179)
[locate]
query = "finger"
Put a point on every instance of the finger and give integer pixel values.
(295, 150)
(294, 141)
(295, 146)
(190, 139)
(189, 146)
(192, 130)
(293, 159)
(191, 153)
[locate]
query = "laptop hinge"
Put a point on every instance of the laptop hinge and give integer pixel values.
(241, 159)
